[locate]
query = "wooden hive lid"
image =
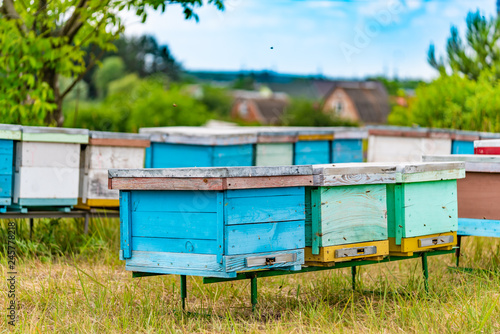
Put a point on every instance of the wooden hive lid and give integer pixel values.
(102, 138)
(276, 134)
(10, 131)
(473, 163)
(440, 133)
(487, 143)
(398, 131)
(465, 135)
(343, 174)
(56, 135)
(430, 171)
(309, 133)
(489, 135)
(350, 133)
(210, 178)
(193, 135)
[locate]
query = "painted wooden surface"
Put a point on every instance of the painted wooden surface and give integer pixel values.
(312, 152)
(55, 135)
(473, 162)
(107, 157)
(405, 149)
(202, 135)
(347, 214)
(408, 246)
(274, 154)
(354, 174)
(6, 171)
(42, 154)
(478, 196)
(118, 139)
(462, 147)
(167, 155)
(479, 227)
(224, 227)
(347, 150)
(421, 208)
(327, 254)
(10, 132)
(46, 182)
(491, 146)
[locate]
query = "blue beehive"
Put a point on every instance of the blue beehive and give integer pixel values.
(347, 145)
(463, 142)
(175, 147)
(8, 134)
(313, 146)
(212, 221)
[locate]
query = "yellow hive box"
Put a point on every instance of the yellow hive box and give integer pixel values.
(439, 241)
(328, 256)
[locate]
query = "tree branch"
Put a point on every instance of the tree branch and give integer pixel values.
(10, 11)
(74, 19)
(80, 77)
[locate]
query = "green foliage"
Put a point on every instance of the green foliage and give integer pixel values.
(134, 103)
(479, 53)
(303, 112)
(112, 68)
(42, 40)
(454, 102)
(217, 100)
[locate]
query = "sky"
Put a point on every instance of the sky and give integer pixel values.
(335, 38)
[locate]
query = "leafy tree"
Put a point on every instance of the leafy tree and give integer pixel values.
(112, 69)
(41, 40)
(303, 112)
(480, 52)
(217, 100)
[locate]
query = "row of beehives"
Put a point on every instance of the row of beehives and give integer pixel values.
(61, 168)
(272, 146)
(220, 221)
(50, 167)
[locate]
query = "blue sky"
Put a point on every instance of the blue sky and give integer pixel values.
(339, 38)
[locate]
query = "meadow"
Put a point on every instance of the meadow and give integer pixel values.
(69, 282)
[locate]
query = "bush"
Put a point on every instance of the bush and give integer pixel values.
(308, 113)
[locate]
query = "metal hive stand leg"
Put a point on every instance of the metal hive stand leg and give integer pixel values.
(425, 270)
(183, 291)
(457, 251)
(253, 291)
(353, 274)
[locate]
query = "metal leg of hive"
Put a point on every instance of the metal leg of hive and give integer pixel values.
(425, 270)
(253, 292)
(32, 223)
(457, 251)
(86, 226)
(353, 274)
(183, 291)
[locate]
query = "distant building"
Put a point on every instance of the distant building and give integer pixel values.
(264, 107)
(363, 102)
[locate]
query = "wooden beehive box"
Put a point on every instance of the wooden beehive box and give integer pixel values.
(463, 142)
(107, 150)
(422, 207)
(348, 145)
(212, 222)
(478, 194)
(488, 146)
(8, 135)
(275, 146)
(400, 144)
(346, 212)
(174, 147)
(47, 166)
(313, 146)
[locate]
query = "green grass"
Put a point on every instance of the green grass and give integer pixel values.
(69, 282)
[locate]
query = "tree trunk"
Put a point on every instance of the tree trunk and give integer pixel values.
(56, 116)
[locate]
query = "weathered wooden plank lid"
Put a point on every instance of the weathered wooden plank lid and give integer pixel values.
(489, 135)
(464, 135)
(276, 135)
(473, 162)
(308, 133)
(102, 138)
(350, 133)
(398, 131)
(55, 135)
(10, 131)
(343, 174)
(201, 135)
(440, 133)
(210, 178)
(429, 171)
